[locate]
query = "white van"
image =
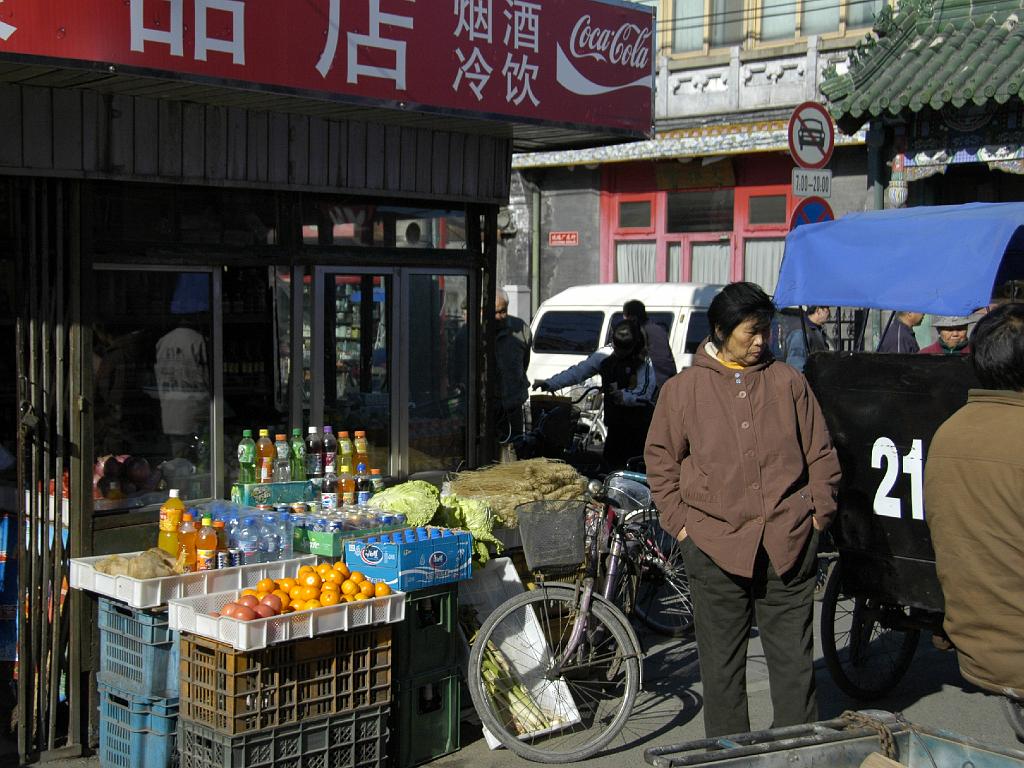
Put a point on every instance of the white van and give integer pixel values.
(574, 323)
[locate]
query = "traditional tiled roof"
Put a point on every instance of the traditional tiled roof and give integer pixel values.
(950, 52)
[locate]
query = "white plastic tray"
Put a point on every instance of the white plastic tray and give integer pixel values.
(151, 593)
(489, 588)
(192, 614)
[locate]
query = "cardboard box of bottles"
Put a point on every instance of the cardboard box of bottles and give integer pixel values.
(254, 494)
(436, 558)
(332, 543)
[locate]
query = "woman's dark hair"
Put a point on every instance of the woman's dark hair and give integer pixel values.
(628, 339)
(997, 348)
(737, 303)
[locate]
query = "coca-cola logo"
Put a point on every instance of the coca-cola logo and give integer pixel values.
(624, 47)
(627, 46)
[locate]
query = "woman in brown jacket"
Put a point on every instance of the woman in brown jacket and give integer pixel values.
(744, 473)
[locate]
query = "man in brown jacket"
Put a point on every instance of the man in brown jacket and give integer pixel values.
(744, 474)
(974, 496)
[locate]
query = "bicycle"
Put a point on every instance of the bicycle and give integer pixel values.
(555, 428)
(554, 672)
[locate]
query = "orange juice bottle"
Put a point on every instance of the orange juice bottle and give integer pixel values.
(266, 454)
(361, 450)
(187, 543)
(206, 546)
(170, 519)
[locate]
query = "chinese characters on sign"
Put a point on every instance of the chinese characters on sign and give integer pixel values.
(563, 239)
(580, 62)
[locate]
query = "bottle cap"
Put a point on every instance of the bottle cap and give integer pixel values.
(296, 432)
(327, 428)
(344, 468)
(330, 468)
(360, 433)
(246, 433)
(264, 433)
(344, 433)
(218, 523)
(173, 493)
(207, 520)
(186, 517)
(361, 468)
(311, 430)
(374, 471)
(280, 438)
(249, 521)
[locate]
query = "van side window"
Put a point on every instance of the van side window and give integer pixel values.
(571, 332)
(698, 330)
(664, 319)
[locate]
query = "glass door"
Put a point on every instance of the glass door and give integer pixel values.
(352, 378)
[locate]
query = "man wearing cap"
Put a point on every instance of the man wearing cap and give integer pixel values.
(952, 336)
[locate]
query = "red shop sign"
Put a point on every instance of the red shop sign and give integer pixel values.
(563, 238)
(575, 62)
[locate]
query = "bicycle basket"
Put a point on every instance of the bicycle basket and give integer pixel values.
(552, 532)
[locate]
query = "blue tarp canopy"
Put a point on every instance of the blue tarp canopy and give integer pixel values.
(942, 259)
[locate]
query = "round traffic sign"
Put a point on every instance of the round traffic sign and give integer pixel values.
(811, 210)
(812, 135)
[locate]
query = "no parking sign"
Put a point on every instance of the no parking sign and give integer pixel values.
(811, 210)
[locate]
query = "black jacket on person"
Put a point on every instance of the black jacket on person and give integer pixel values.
(660, 352)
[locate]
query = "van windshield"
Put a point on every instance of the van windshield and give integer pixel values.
(664, 319)
(571, 332)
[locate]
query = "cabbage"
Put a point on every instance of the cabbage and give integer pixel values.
(418, 500)
(476, 517)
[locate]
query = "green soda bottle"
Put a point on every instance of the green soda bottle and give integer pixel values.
(298, 457)
(247, 458)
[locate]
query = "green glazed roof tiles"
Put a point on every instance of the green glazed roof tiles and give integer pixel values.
(956, 52)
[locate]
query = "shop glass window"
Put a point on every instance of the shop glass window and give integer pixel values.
(688, 28)
(710, 262)
(340, 223)
(635, 262)
(568, 332)
(438, 364)
(704, 211)
(635, 214)
(767, 209)
(152, 350)
(357, 365)
(255, 310)
(778, 19)
(761, 262)
(819, 16)
(726, 22)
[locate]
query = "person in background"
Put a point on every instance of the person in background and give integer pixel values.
(805, 337)
(952, 336)
(899, 336)
(182, 370)
(658, 348)
(628, 385)
(745, 476)
(512, 342)
(974, 495)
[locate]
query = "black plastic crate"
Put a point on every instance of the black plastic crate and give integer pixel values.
(425, 718)
(351, 740)
(425, 641)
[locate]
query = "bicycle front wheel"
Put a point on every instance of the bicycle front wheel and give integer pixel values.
(662, 600)
(545, 698)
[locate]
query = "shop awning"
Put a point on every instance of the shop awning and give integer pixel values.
(702, 141)
(943, 259)
(955, 54)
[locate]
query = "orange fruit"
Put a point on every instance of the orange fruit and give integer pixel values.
(266, 585)
(330, 598)
(366, 589)
(380, 589)
(295, 593)
(341, 568)
(309, 593)
(330, 586)
(349, 587)
(311, 604)
(358, 596)
(286, 584)
(285, 597)
(252, 592)
(323, 568)
(304, 569)
(333, 577)
(357, 577)
(311, 579)
(261, 594)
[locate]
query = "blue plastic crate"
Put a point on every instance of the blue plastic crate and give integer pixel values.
(149, 627)
(136, 731)
(131, 663)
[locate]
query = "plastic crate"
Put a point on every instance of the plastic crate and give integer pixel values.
(133, 656)
(193, 615)
(153, 593)
(351, 740)
(425, 641)
(136, 731)
(235, 693)
(425, 718)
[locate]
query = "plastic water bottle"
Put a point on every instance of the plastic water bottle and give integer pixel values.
(364, 486)
(329, 490)
(270, 539)
(315, 457)
(283, 462)
(285, 535)
(231, 525)
(248, 540)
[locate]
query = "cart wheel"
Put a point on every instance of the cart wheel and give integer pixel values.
(1015, 714)
(865, 654)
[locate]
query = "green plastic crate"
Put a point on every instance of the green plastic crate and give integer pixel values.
(425, 641)
(425, 719)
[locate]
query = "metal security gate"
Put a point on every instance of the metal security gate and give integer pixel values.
(50, 471)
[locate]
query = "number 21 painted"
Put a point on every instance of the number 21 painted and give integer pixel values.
(884, 451)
